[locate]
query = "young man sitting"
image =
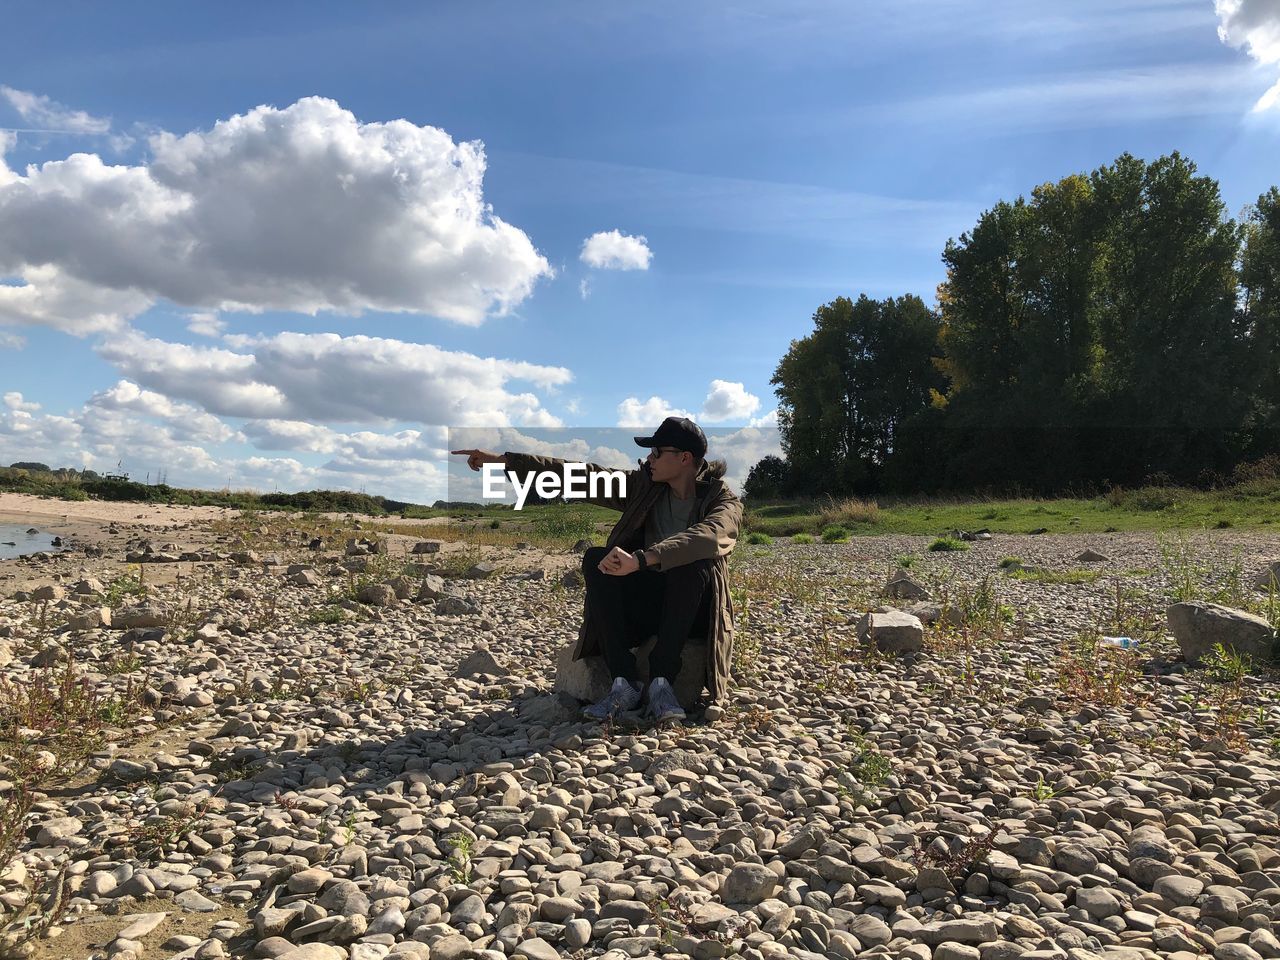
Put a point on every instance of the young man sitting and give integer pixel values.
(662, 571)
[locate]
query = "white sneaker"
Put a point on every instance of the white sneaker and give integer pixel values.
(624, 696)
(663, 704)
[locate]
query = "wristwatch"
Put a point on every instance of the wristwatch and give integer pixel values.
(639, 555)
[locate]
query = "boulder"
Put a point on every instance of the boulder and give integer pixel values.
(141, 617)
(930, 612)
(572, 579)
(1091, 556)
(455, 606)
(902, 587)
(1198, 626)
(480, 661)
(589, 679)
(377, 594)
(432, 588)
(480, 571)
(88, 587)
(92, 619)
(305, 578)
(47, 593)
(1268, 577)
(892, 631)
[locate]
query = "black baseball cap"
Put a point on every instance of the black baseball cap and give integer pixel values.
(679, 432)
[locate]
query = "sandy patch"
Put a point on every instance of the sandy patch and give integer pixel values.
(21, 507)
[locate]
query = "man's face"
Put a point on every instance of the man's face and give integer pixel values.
(666, 463)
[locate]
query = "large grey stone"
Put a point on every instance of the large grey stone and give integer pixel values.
(902, 587)
(892, 631)
(588, 679)
(1198, 626)
(748, 883)
(143, 617)
(1268, 577)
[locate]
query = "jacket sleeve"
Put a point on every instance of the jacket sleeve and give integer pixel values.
(522, 464)
(713, 536)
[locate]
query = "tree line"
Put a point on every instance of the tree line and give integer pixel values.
(1115, 328)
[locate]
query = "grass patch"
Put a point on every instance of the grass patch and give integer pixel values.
(948, 545)
(759, 539)
(835, 534)
(848, 510)
(804, 538)
(1007, 562)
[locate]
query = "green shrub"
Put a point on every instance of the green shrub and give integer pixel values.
(803, 538)
(759, 539)
(835, 534)
(1007, 562)
(948, 545)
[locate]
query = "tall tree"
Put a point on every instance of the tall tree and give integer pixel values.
(846, 390)
(1260, 309)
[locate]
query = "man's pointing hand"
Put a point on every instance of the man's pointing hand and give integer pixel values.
(478, 458)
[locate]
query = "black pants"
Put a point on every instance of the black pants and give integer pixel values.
(674, 604)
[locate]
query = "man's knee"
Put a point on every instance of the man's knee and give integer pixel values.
(698, 571)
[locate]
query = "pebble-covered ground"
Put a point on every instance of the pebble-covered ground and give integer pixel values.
(322, 781)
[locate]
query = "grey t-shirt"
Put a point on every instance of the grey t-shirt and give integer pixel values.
(668, 516)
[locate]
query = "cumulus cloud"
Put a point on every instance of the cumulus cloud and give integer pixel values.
(769, 419)
(48, 114)
(1254, 26)
(325, 377)
(725, 400)
(728, 401)
(185, 421)
(206, 324)
(636, 413)
(13, 400)
(613, 250)
(301, 209)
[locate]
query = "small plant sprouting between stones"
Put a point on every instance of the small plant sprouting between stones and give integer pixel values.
(1041, 791)
(948, 545)
(957, 863)
(460, 845)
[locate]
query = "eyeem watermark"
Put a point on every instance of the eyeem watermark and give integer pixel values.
(573, 483)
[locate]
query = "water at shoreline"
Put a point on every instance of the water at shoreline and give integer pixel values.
(15, 541)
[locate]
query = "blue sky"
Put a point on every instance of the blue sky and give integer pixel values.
(361, 285)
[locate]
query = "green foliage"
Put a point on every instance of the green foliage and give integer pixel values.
(849, 388)
(1057, 357)
(1007, 562)
(759, 539)
(802, 538)
(565, 522)
(768, 479)
(948, 545)
(835, 534)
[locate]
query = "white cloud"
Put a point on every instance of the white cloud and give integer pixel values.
(184, 421)
(206, 324)
(301, 209)
(769, 419)
(646, 414)
(742, 449)
(11, 341)
(725, 400)
(613, 250)
(728, 401)
(584, 288)
(1253, 25)
(50, 115)
(13, 400)
(324, 377)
